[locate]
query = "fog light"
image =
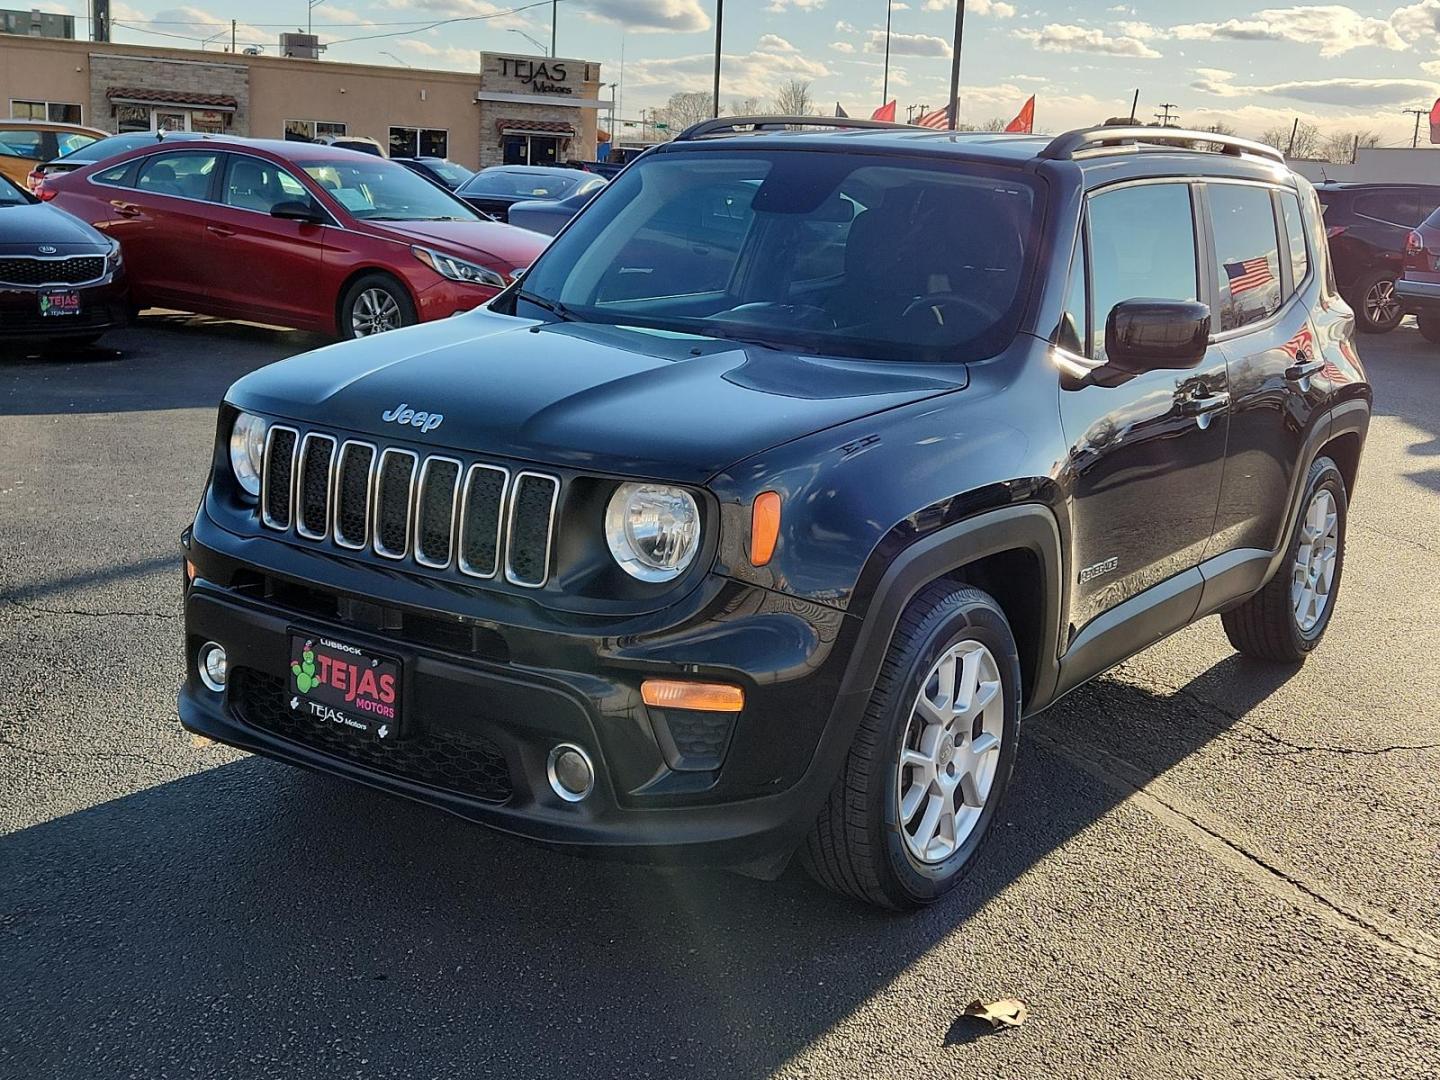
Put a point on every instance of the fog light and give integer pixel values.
(572, 777)
(212, 666)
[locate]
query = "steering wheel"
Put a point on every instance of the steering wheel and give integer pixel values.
(936, 304)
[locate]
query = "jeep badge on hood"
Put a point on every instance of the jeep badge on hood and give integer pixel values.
(403, 414)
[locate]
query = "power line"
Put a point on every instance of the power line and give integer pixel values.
(1167, 114)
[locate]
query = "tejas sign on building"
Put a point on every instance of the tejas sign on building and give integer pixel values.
(541, 77)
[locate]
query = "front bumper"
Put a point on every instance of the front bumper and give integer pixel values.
(104, 306)
(484, 706)
(445, 298)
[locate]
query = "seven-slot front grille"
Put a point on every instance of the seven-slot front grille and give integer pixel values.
(27, 270)
(435, 510)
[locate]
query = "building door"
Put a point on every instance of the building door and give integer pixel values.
(531, 149)
(517, 150)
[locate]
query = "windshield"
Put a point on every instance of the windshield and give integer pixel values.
(851, 255)
(10, 193)
(378, 190)
(525, 185)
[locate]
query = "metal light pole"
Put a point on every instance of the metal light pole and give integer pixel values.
(719, 21)
(955, 64)
(554, 4)
(885, 82)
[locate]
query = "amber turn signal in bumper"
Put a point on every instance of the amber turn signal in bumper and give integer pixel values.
(698, 696)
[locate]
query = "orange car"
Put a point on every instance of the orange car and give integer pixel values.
(26, 143)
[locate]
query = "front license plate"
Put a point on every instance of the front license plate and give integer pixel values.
(59, 302)
(342, 686)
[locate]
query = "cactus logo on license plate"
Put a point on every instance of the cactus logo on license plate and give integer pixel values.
(342, 686)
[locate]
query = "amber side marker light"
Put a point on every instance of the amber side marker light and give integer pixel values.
(698, 696)
(764, 527)
(189, 572)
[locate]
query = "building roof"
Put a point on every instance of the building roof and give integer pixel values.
(152, 96)
(529, 127)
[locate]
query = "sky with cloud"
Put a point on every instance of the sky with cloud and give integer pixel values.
(1340, 66)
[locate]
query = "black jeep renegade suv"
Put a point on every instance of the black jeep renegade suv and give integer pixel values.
(800, 468)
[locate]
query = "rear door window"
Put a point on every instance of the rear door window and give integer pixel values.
(26, 143)
(184, 175)
(1247, 254)
(1142, 244)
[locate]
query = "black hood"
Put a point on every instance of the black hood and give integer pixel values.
(603, 398)
(25, 229)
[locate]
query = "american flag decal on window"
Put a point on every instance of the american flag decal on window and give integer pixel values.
(1247, 275)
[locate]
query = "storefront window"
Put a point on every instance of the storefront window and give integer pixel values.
(57, 112)
(408, 142)
(310, 130)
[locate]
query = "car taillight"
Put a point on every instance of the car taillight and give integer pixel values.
(33, 178)
(1414, 244)
(1333, 231)
(43, 191)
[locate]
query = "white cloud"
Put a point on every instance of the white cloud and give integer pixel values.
(843, 27)
(757, 74)
(1064, 38)
(907, 44)
(495, 16)
(997, 9)
(1345, 92)
(1334, 28)
(447, 57)
(651, 16)
(780, 6)
(842, 46)
(775, 43)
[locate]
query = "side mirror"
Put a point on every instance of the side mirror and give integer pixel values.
(1150, 335)
(295, 210)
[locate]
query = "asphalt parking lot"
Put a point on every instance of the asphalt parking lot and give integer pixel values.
(1208, 867)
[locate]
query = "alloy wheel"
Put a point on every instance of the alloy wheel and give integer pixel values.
(374, 312)
(951, 752)
(1381, 304)
(1313, 575)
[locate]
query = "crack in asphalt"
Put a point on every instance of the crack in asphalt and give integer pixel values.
(1382, 534)
(1136, 783)
(38, 610)
(89, 754)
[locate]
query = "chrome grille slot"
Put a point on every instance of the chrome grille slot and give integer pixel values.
(312, 487)
(481, 519)
(353, 475)
(393, 484)
(435, 511)
(276, 494)
(532, 514)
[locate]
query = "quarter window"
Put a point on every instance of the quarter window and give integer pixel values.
(1295, 231)
(1247, 254)
(184, 175)
(1142, 244)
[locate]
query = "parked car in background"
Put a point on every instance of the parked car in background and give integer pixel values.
(101, 150)
(496, 189)
(1368, 225)
(360, 143)
(1419, 288)
(608, 169)
(60, 279)
(442, 171)
(26, 143)
(549, 216)
(293, 233)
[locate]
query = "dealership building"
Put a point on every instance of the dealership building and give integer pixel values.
(517, 109)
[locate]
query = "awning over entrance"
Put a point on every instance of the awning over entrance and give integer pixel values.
(536, 127)
(130, 95)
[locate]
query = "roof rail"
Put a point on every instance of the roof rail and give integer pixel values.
(1073, 143)
(732, 125)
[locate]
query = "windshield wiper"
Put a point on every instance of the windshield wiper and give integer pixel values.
(559, 310)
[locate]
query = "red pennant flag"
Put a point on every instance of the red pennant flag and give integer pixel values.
(1025, 119)
(1435, 122)
(885, 112)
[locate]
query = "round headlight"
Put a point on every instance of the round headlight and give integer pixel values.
(247, 451)
(653, 530)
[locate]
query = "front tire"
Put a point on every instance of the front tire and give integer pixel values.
(1429, 328)
(1286, 619)
(932, 759)
(1377, 306)
(374, 304)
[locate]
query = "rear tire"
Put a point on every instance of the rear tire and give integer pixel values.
(1429, 328)
(1377, 307)
(918, 793)
(373, 304)
(1279, 623)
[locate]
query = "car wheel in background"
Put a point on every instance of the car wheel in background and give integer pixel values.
(1377, 306)
(373, 304)
(1286, 619)
(932, 758)
(1429, 327)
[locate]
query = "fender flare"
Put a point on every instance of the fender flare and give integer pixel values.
(1026, 526)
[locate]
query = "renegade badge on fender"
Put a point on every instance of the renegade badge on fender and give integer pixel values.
(809, 458)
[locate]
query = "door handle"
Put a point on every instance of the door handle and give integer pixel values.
(1304, 369)
(219, 230)
(1203, 407)
(126, 209)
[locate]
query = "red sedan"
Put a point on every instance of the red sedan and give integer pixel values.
(295, 234)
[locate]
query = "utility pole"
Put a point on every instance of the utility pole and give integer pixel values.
(1134, 104)
(1417, 113)
(1166, 115)
(719, 19)
(885, 81)
(954, 114)
(911, 110)
(232, 35)
(1294, 131)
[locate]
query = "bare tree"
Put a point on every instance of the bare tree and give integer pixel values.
(794, 99)
(750, 106)
(995, 123)
(1340, 146)
(684, 109)
(1306, 140)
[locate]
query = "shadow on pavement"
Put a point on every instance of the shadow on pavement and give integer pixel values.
(254, 913)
